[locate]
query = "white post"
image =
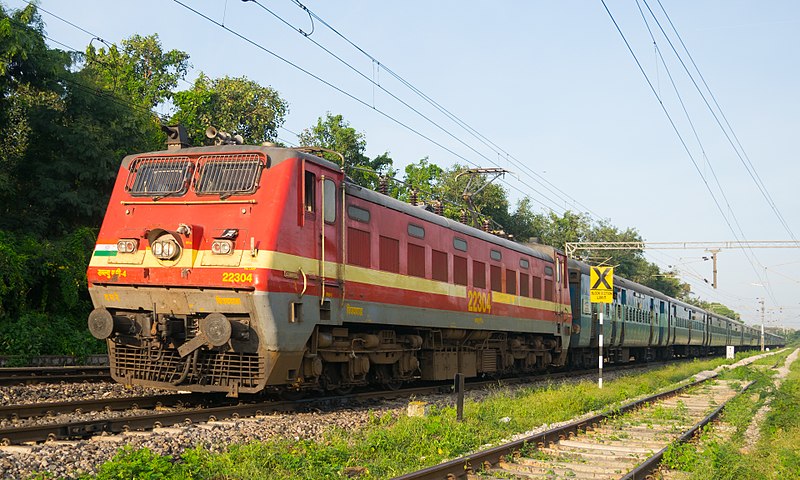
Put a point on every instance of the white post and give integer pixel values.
(600, 356)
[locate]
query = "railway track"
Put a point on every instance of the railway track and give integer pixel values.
(194, 408)
(626, 443)
(18, 412)
(27, 375)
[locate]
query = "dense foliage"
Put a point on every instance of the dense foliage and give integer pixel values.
(70, 117)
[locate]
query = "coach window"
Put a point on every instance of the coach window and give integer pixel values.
(496, 255)
(329, 191)
(310, 189)
(460, 244)
(478, 274)
(523, 262)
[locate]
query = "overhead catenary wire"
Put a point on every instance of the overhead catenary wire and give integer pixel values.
(676, 131)
(189, 83)
(748, 252)
(740, 152)
(549, 186)
(344, 92)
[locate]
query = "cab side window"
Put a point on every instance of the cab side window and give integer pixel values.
(329, 191)
(309, 187)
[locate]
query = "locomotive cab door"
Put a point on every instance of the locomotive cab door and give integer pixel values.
(323, 218)
(331, 243)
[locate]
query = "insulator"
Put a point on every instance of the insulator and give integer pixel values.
(438, 208)
(464, 217)
(486, 225)
(413, 197)
(383, 185)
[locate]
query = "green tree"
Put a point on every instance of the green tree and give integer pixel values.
(234, 105)
(76, 132)
(335, 133)
(139, 70)
(424, 177)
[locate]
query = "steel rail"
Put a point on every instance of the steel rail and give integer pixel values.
(22, 375)
(646, 468)
(461, 467)
(212, 411)
(21, 411)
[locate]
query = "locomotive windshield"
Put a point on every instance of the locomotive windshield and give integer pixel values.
(225, 175)
(159, 177)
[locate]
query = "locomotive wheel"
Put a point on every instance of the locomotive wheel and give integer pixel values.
(343, 390)
(393, 385)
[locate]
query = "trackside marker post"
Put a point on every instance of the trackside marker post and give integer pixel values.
(459, 387)
(601, 283)
(600, 356)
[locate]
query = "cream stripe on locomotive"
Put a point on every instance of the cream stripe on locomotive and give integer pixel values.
(310, 266)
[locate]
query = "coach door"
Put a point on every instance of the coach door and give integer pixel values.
(561, 283)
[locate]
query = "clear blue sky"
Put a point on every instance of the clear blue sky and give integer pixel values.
(553, 85)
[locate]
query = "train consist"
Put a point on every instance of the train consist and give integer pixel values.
(243, 269)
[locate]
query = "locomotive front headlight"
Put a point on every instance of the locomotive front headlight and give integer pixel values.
(165, 247)
(127, 245)
(222, 247)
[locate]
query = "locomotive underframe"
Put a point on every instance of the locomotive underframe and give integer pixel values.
(280, 342)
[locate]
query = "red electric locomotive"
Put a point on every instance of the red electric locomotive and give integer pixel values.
(240, 268)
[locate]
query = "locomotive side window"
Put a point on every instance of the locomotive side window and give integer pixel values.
(358, 247)
(357, 213)
(310, 187)
(478, 274)
(329, 191)
(524, 284)
(158, 177)
(459, 270)
(496, 274)
(389, 254)
(439, 265)
(548, 289)
(460, 244)
(416, 260)
(416, 231)
(537, 287)
(511, 282)
(228, 174)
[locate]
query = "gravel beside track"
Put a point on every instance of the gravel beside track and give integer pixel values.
(41, 393)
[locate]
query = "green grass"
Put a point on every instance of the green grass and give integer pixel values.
(392, 445)
(777, 453)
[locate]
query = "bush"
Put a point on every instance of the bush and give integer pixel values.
(44, 301)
